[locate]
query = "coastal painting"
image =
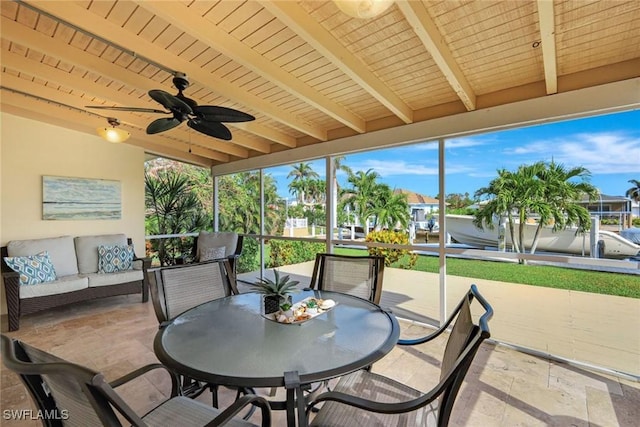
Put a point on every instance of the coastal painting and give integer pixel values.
(67, 198)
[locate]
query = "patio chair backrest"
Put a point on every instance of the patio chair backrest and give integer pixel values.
(65, 393)
(354, 275)
(369, 398)
(179, 288)
(463, 343)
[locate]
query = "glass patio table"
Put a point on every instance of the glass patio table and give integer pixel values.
(229, 342)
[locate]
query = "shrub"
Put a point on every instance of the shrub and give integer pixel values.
(249, 260)
(609, 221)
(636, 222)
(402, 258)
(286, 252)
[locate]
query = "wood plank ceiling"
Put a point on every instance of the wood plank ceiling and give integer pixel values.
(305, 70)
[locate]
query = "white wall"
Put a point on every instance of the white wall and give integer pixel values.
(30, 149)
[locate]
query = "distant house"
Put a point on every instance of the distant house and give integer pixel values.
(420, 206)
(611, 207)
(606, 205)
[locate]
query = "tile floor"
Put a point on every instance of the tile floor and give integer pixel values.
(503, 388)
(599, 330)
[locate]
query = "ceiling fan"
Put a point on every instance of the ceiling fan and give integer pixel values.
(206, 119)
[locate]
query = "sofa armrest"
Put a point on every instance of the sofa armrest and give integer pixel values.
(146, 265)
(12, 296)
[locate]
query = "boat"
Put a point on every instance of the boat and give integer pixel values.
(462, 230)
(632, 234)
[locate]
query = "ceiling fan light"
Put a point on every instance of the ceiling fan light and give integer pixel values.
(113, 134)
(363, 9)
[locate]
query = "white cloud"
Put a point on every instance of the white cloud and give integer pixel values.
(402, 167)
(396, 167)
(600, 153)
(467, 142)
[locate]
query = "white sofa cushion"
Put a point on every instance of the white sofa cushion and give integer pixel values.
(206, 239)
(62, 285)
(87, 249)
(101, 279)
(61, 251)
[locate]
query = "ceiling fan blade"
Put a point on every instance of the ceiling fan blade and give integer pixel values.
(170, 102)
(222, 114)
(214, 129)
(161, 125)
(136, 109)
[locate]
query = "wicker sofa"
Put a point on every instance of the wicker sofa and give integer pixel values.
(75, 261)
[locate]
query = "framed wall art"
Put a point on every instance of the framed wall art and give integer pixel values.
(68, 198)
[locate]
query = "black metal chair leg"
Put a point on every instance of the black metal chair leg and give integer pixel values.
(246, 390)
(214, 395)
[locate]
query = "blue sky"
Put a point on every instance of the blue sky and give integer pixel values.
(608, 146)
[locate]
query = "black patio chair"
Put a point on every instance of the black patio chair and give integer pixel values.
(369, 399)
(70, 394)
(176, 289)
(360, 276)
(231, 241)
(357, 275)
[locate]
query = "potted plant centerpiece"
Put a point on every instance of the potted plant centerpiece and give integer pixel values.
(276, 292)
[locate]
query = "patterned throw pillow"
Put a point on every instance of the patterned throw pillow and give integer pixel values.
(112, 259)
(33, 269)
(208, 254)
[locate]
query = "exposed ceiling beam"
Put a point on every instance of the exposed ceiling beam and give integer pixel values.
(176, 155)
(238, 147)
(181, 16)
(546, 17)
(55, 114)
(30, 38)
(427, 31)
(91, 23)
(267, 133)
(312, 32)
(65, 79)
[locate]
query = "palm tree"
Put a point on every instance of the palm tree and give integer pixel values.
(510, 192)
(338, 164)
(172, 207)
(360, 196)
(634, 192)
(297, 189)
(561, 192)
(240, 203)
(316, 191)
(300, 173)
(549, 191)
(391, 208)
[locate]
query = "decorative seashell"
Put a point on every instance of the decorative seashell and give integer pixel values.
(327, 304)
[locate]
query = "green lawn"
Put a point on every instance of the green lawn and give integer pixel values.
(626, 285)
